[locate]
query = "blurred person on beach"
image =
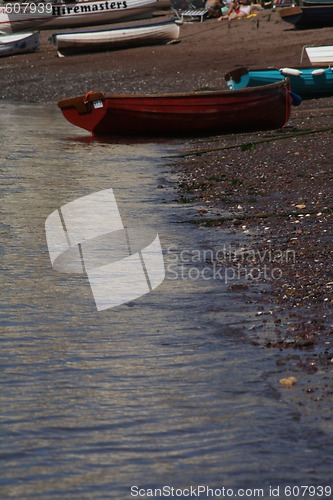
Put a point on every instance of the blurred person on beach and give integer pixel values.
(214, 8)
(237, 9)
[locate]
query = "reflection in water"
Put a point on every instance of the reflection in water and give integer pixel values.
(165, 390)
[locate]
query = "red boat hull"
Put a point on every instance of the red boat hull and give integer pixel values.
(266, 107)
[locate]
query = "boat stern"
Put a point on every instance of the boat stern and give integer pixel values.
(238, 78)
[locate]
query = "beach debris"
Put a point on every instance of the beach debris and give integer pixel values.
(288, 382)
(301, 206)
(248, 146)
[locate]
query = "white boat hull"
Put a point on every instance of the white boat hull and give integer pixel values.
(65, 15)
(19, 43)
(125, 37)
(320, 55)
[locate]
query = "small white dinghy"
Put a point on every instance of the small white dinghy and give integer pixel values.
(54, 14)
(76, 42)
(19, 43)
(322, 55)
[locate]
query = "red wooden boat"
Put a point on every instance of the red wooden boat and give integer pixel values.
(186, 114)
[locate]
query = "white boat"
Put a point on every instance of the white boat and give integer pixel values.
(16, 16)
(19, 43)
(320, 55)
(117, 38)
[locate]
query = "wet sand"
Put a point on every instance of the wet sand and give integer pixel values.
(275, 187)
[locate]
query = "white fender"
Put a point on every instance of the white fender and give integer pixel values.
(230, 84)
(318, 72)
(290, 72)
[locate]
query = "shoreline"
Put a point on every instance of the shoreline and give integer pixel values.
(259, 185)
(275, 186)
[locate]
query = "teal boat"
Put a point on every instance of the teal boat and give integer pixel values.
(308, 83)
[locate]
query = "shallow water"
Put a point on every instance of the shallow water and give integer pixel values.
(163, 391)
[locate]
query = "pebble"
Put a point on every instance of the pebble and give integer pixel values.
(288, 382)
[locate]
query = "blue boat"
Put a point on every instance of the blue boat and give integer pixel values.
(314, 16)
(308, 83)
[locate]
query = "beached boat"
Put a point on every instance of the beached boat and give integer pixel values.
(185, 114)
(308, 17)
(322, 55)
(19, 43)
(310, 3)
(116, 38)
(307, 82)
(16, 16)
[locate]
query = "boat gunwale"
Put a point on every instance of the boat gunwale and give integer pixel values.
(289, 11)
(17, 37)
(245, 70)
(69, 102)
(202, 93)
(298, 9)
(119, 28)
(268, 68)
